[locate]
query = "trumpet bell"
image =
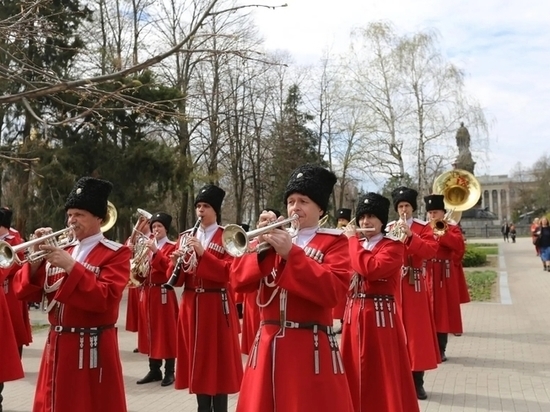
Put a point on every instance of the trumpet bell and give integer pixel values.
(110, 218)
(461, 190)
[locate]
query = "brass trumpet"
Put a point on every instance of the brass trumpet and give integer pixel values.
(8, 254)
(236, 241)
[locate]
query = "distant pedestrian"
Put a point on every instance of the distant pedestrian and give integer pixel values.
(534, 229)
(513, 232)
(543, 235)
(505, 230)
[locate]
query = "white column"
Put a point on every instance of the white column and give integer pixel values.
(499, 213)
(508, 208)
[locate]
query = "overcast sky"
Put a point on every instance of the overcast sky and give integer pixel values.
(502, 46)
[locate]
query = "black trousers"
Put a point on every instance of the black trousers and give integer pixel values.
(208, 403)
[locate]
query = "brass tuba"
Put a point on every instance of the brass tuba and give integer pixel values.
(140, 262)
(461, 191)
(110, 218)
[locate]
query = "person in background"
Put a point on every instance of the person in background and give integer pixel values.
(10, 350)
(132, 305)
(158, 306)
(84, 283)
(543, 234)
(513, 232)
(19, 310)
(415, 303)
(534, 230)
(505, 230)
(443, 273)
(251, 311)
(295, 363)
(344, 217)
(208, 353)
(374, 351)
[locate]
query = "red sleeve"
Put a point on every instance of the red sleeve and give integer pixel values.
(454, 240)
(324, 283)
(423, 244)
(27, 288)
(84, 290)
(380, 265)
(248, 270)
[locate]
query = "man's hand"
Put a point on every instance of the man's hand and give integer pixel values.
(59, 258)
(281, 241)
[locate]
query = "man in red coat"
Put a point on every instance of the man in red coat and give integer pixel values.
(343, 216)
(444, 273)
(208, 353)
(83, 284)
(10, 361)
(132, 305)
(373, 342)
(158, 306)
(419, 245)
(295, 364)
(19, 310)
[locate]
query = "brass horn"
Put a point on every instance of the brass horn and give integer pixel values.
(236, 241)
(8, 254)
(460, 189)
(110, 218)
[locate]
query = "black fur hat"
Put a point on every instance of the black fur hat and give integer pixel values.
(316, 182)
(5, 217)
(163, 218)
(213, 195)
(373, 204)
(343, 213)
(245, 226)
(404, 194)
(277, 213)
(90, 194)
(435, 202)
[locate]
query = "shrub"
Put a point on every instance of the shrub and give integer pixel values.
(474, 257)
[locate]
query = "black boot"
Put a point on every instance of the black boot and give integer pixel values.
(418, 377)
(442, 341)
(168, 372)
(205, 403)
(220, 403)
(154, 374)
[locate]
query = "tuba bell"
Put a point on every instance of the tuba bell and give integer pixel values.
(110, 218)
(461, 191)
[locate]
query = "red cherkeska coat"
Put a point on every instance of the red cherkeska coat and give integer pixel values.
(415, 303)
(89, 297)
(445, 281)
(11, 368)
(158, 309)
(132, 305)
(281, 374)
(19, 310)
(251, 321)
(208, 354)
(373, 340)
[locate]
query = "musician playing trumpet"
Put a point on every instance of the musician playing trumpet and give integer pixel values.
(419, 245)
(208, 352)
(373, 340)
(299, 280)
(80, 368)
(158, 306)
(444, 273)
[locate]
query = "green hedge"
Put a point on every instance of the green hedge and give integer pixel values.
(474, 257)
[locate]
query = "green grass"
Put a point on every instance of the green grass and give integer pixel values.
(37, 328)
(480, 284)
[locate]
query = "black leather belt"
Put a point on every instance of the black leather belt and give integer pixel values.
(360, 295)
(70, 329)
(206, 290)
(299, 325)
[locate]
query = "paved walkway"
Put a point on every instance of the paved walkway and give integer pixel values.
(501, 363)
